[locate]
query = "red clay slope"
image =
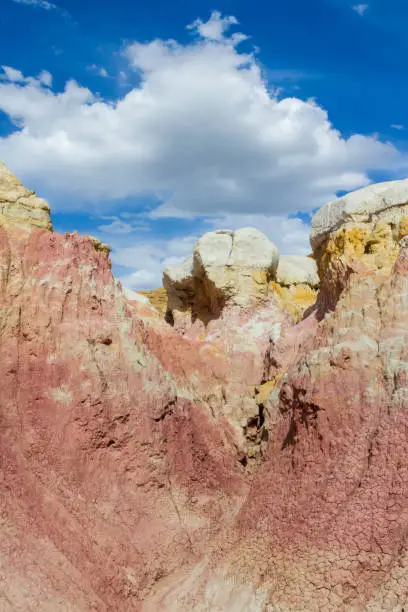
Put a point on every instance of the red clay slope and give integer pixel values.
(112, 473)
(122, 443)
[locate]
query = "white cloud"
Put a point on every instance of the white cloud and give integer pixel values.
(398, 126)
(360, 9)
(11, 75)
(44, 4)
(202, 131)
(141, 280)
(99, 70)
(45, 78)
(117, 226)
(214, 28)
(123, 78)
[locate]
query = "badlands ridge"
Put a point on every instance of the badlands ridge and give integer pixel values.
(243, 447)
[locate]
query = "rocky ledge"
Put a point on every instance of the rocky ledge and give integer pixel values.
(250, 457)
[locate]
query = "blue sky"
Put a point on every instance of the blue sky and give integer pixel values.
(147, 124)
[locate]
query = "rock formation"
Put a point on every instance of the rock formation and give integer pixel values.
(381, 202)
(297, 270)
(117, 462)
(158, 299)
(236, 269)
(297, 283)
(324, 525)
(359, 232)
(227, 268)
(20, 206)
(243, 462)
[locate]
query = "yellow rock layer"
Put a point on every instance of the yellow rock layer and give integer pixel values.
(403, 228)
(100, 246)
(296, 298)
(376, 248)
(265, 390)
(158, 299)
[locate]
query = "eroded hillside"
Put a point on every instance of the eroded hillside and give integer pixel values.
(249, 454)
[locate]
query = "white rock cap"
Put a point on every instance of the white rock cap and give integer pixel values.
(214, 249)
(296, 270)
(244, 248)
(181, 273)
(237, 265)
(11, 189)
(359, 207)
(253, 249)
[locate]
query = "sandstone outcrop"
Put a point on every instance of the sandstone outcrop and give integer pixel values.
(158, 299)
(227, 269)
(324, 525)
(117, 462)
(297, 283)
(359, 232)
(238, 264)
(237, 269)
(20, 206)
(380, 202)
(262, 467)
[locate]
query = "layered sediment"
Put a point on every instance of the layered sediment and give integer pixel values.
(246, 457)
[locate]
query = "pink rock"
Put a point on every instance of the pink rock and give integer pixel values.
(114, 470)
(123, 444)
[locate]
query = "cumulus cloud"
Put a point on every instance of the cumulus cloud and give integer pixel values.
(203, 133)
(215, 27)
(45, 78)
(12, 75)
(360, 9)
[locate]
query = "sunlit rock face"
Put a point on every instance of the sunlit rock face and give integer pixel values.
(359, 231)
(255, 461)
(158, 299)
(227, 269)
(236, 272)
(324, 525)
(297, 270)
(297, 284)
(380, 202)
(117, 461)
(19, 206)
